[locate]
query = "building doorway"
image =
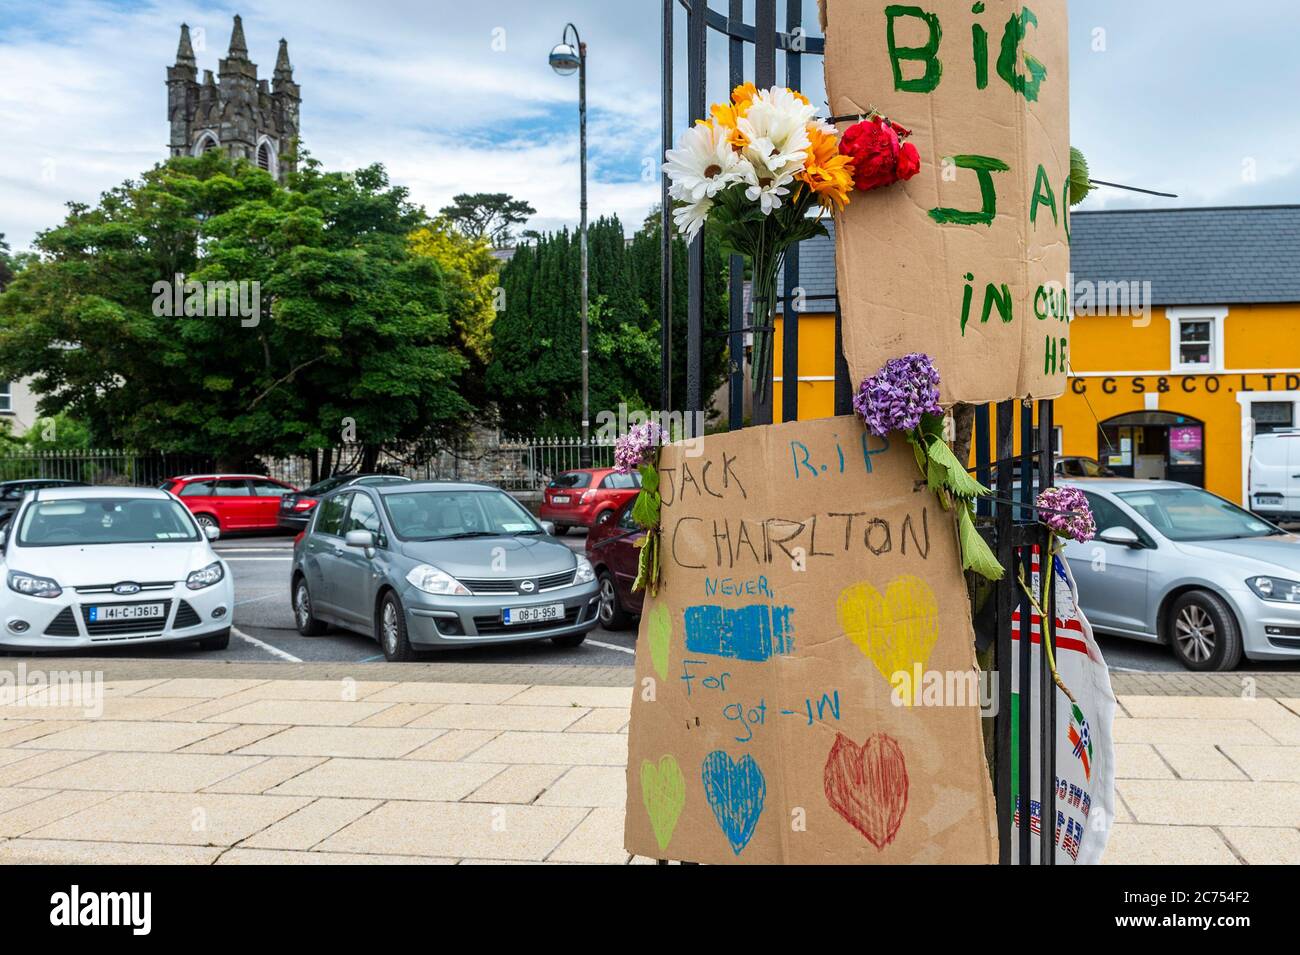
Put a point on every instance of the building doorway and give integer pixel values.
(1155, 445)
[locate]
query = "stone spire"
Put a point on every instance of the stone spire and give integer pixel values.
(283, 68)
(238, 48)
(185, 51)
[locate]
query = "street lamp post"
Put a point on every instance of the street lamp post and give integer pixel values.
(565, 58)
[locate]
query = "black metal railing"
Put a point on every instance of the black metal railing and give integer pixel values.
(1016, 470)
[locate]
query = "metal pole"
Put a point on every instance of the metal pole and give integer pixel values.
(585, 454)
(666, 220)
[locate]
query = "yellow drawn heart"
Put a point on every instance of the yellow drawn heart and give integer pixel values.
(896, 631)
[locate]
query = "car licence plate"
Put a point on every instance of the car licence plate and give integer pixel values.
(1268, 499)
(126, 612)
(513, 615)
(560, 499)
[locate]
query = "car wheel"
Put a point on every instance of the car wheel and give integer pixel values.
(570, 641)
(307, 623)
(205, 521)
(612, 614)
(216, 642)
(392, 631)
(604, 517)
(561, 530)
(1203, 632)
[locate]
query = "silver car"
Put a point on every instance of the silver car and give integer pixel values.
(435, 565)
(1175, 564)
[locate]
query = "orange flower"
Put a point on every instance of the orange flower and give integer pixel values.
(726, 115)
(826, 171)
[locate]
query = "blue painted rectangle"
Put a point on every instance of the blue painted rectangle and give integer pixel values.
(756, 632)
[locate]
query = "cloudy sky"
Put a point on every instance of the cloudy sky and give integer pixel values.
(1185, 96)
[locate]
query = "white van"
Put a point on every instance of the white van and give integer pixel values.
(1275, 476)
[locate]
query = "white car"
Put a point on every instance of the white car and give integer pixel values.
(1275, 476)
(99, 566)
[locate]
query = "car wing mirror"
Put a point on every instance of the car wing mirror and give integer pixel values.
(211, 532)
(1123, 536)
(360, 538)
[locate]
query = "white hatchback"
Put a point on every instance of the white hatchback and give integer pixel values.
(98, 566)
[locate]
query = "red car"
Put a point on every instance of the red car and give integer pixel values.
(613, 552)
(231, 502)
(586, 497)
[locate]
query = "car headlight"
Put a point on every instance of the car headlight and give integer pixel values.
(206, 577)
(585, 571)
(431, 580)
(32, 586)
(1275, 588)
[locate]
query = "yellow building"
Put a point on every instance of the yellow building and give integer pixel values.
(1185, 340)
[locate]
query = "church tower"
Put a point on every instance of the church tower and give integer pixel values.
(244, 117)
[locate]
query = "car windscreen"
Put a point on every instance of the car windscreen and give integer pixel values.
(442, 515)
(571, 479)
(1190, 514)
(85, 521)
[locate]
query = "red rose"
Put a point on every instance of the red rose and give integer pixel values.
(873, 147)
(879, 159)
(909, 161)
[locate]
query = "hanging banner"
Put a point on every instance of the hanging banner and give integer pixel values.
(806, 687)
(1085, 749)
(967, 261)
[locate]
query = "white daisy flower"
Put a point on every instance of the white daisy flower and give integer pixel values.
(704, 165)
(781, 119)
(689, 218)
(767, 189)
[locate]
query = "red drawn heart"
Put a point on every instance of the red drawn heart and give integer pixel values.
(867, 785)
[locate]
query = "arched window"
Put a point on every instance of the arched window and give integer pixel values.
(267, 157)
(205, 142)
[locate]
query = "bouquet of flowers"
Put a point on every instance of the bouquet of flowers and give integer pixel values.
(759, 166)
(639, 450)
(904, 396)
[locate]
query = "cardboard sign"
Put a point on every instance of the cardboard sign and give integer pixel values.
(806, 689)
(967, 261)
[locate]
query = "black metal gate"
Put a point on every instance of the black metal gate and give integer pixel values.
(1006, 519)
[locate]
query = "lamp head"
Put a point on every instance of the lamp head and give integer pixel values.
(565, 59)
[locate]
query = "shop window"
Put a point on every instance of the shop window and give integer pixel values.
(1196, 339)
(1195, 342)
(1270, 416)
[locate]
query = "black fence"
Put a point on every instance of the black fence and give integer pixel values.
(1017, 468)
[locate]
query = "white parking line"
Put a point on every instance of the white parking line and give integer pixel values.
(611, 646)
(274, 651)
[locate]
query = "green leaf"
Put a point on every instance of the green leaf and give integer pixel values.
(959, 480)
(649, 478)
(975, 553)
(1080, 185)
(645, 509)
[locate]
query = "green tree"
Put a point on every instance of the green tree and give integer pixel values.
(488, 215)
(350, 339)
(536, 371)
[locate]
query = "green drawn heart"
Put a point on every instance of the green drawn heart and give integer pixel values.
(660, 633)
(663, 790)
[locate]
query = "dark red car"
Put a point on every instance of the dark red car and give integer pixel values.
(231, 502)
(586, 497)
(613, 552)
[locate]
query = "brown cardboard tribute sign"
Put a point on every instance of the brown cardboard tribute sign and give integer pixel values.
(806, 687)
(968, 260)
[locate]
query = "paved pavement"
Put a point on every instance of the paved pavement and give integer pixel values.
(380, 763)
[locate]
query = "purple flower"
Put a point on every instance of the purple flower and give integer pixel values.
(635, 448)
(1066, 511)
(895, 398)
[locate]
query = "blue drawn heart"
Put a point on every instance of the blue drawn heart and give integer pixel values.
(735, 792)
